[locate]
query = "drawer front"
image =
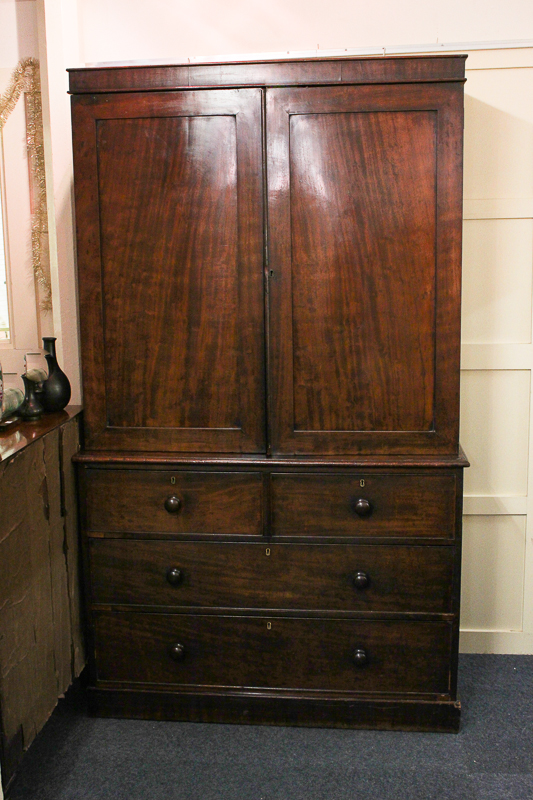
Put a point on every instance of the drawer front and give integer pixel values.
(280, 576)
(246, 652)
(174, 502)
(386, 505)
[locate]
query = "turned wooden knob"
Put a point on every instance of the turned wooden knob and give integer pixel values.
(360, 658)
(362, 507)
(174, 576)
(176, 652)
(172, 504)
(360, 580)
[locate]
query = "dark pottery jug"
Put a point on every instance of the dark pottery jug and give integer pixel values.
(31, 408)
(56, 388)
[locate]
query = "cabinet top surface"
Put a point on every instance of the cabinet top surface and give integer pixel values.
(290, 72)
(18, 434)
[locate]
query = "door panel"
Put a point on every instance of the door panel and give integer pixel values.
(177, 291)
(364, 214)
(351, 292)
(175, 181)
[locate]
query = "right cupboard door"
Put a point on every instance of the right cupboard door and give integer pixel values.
(364, 209)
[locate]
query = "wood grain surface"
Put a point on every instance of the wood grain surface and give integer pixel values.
(295, 653)
(125, 500)
(171, 291)
(170, 248)
(363, 270)
(408, 505)
(281, 576)
(393, 69)
(364, 200)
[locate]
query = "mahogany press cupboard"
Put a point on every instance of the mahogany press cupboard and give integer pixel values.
(271, 483)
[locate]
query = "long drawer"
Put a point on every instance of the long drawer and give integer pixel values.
(254, 652)
(364, 505)
(124, 500)
(280, 576)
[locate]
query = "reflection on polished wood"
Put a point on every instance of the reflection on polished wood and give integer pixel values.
(169, 188)
(20, 434)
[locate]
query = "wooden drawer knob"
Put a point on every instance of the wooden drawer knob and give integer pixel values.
(174, 576)
(363, 508)
(360, 580)
(172, 504)
(176, 652)
(360, 658)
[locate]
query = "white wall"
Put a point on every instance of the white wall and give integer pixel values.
(136, 29)
(497, 353)
(58, 47)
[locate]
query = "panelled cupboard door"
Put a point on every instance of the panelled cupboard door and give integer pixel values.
(364, 208)
(170, 255)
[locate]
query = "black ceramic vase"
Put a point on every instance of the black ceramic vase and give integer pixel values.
(56, 388)
(31, 408)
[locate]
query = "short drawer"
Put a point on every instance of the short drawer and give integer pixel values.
(364, 505)
(256, 652)
(394, 578)
(173, 502)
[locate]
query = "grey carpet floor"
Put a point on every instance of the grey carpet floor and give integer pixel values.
(79, 758)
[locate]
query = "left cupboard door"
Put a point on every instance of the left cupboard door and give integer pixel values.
(169, 213)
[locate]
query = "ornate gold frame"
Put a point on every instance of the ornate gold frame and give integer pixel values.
(26, 79)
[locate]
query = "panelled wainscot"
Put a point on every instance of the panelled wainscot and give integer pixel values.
(271, 485)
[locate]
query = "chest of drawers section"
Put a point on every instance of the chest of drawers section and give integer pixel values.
(273, 595)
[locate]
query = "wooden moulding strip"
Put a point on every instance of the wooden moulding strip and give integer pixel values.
(290, 72)
(256, 708)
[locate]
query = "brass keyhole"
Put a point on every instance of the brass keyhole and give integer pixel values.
(173, 480)
(361, 483)
(267, 551)
(269, 626)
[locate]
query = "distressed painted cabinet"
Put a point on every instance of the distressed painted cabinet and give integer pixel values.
(41, 639)
(271, 486)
